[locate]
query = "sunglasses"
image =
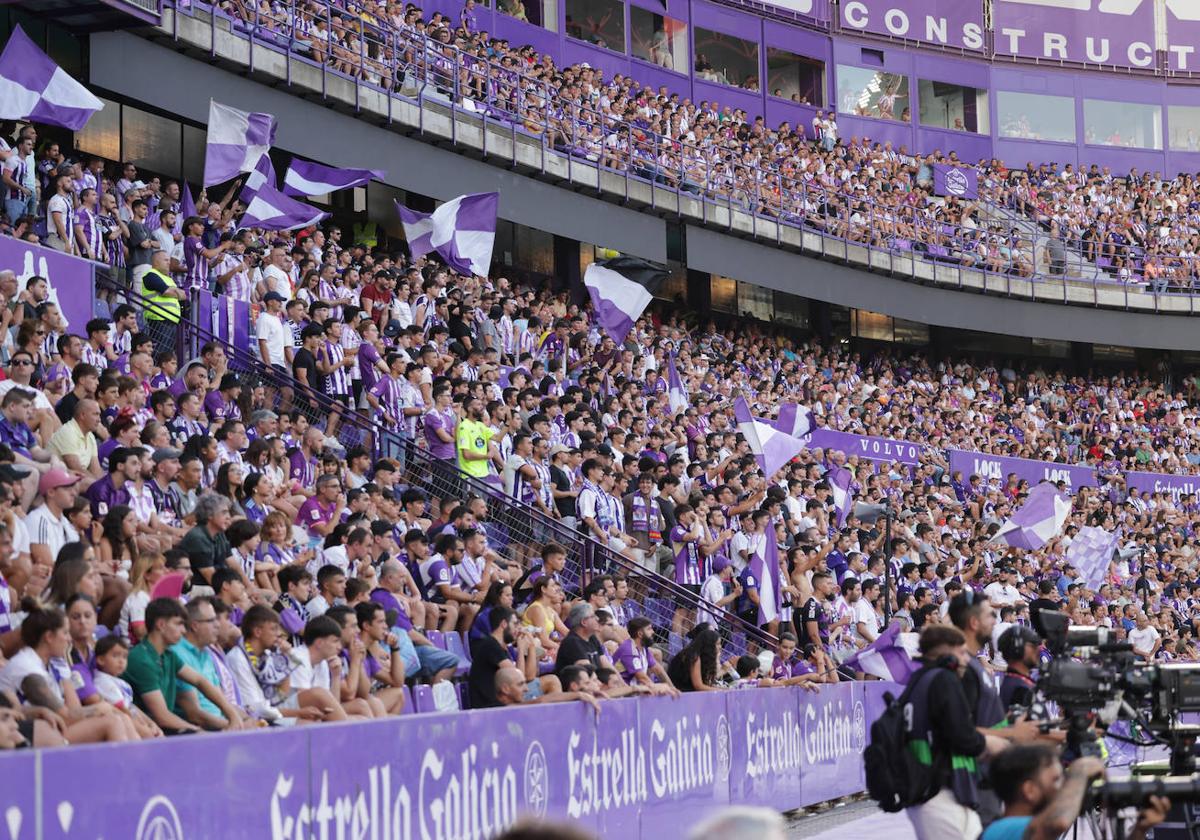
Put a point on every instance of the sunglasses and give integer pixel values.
(22, 363)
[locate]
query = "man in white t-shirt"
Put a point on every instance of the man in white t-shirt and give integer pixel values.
(274, 339)
(49, 529)
(318, 675)
(1144, 638)
(865, 619)
(277, 275)
(712, 592)
(1001, 592)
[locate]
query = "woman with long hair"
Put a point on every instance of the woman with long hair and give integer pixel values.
(229, 484)
(147, 570)
(75, 572)
(276, 544)
(118, 548)
(696, 667)
(542, 614)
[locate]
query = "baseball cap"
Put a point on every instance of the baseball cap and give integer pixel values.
(14, 472)
(274, 295)
(55, 478)
(230, 380)
(392, 329)
(720, 564)
(557, 448)
(166, 453)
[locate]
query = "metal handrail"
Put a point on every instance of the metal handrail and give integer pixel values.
(594, 558)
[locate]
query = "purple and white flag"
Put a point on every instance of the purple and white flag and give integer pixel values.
(956, 181)
(262, 175)
(620, 290)
(796, 420)
(270, 209)
(677, 394)
(305, 178)
(885, 658)
(765, 569)
(771, 447)
(1091, 551)
(236, 142)
(33, 87)
(840, 479)
(1038, 520)
(462, 231)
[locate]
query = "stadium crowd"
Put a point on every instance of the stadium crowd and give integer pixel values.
(1134, 228)
(188, 544)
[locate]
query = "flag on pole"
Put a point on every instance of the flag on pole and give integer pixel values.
(187, 205)
(1039, 519)
(462, 231)
(304, 178)
(236, 142)
(677, 394)
(795, 420)
(33, 87)
(262, 175)
(620, 290)
(765, 568)
(840, 479)
(885, 658)
(770, 446)
(1091, 551)
(270, 209)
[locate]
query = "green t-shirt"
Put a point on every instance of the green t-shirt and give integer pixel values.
(473, 436)
(148, 671)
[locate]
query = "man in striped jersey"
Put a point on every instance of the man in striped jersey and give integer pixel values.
(196, 257)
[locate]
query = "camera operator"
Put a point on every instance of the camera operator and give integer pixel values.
(1019, 646)
(1041, 801)
(942, 735)
(973, 614)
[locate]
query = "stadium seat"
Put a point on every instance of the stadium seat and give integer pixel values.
(454, 644)
(423, 699)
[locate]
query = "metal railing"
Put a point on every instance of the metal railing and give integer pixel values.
(699, 182)
(515, 530)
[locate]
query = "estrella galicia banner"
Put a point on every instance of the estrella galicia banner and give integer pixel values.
(944, 23)
(1108, 32)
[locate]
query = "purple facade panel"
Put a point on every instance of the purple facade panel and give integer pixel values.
(1016, 153)
(727, 21)
(612, 63)
(655, 76)
(970, 147)
(940, 68)
(723, 95)
(1114, 34)
(797, 40)
(957, 24)
(878, 131)
(520, 32)
(1183, 35)
(779, 111)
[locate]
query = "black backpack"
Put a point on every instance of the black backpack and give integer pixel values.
(895, 778)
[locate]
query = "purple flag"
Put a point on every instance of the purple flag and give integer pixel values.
(840, 479)
(236, 142)
(304, 178)
(885, 658)
(270, 209)
(33, 87)
(1091, 551)
(621, 289)
(1038, 520)
(765, 569)
(187, 205)
(676, 392)
(462, 231)
(955, 181)
(771, 447)
(795, 420)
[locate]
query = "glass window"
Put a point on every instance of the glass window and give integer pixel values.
(956, 107)
(101, 136)
(150, 141)
(755, 302)
(723, 294)
(911, 332)
(1185, 127)
(194, 140)
(791, 310)
(1134, 125)
(726, 60)
(796, 78)
(1036, 116)
(658, 39)
(874, 326)
(542, 13)
(873, 93)
(599, 22)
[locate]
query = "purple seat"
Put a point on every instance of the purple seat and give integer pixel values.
(466, 645)
(436, 638)
(454, 644)
(423, 699)
(408, 701)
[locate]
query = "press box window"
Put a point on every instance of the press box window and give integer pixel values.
(658, 39)
(795, 78)
(726, 60)
(1036, 116)
(873, 93)
(599, 22)
(956, 107)
(1133, 125)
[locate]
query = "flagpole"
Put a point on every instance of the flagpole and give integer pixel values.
(887, 566)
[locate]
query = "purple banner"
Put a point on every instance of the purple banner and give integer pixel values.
(641, 768)
(886, 450)
(1183, 33)
(228, 320)
(1175, 485)
(997, 467)
(1110, 32)
(946, 23)
(72, 280)
(956, 181)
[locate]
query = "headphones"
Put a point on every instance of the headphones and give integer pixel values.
(1012, 641)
